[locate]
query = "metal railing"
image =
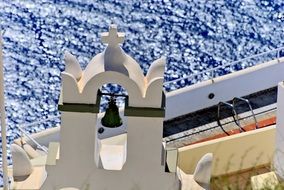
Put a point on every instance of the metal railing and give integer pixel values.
(250, 107)
(24, 133)
(38, 122)
(235, 116)
(212, 71)
(214, 127)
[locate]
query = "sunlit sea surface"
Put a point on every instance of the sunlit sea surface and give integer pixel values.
(193, 35)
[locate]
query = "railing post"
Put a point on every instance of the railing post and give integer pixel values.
(278, 55)
(212, 72)
(3, 121)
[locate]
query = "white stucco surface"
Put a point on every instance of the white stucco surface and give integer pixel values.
(113, 66)
(121, 161)
(72, 65)
(237, 84)
(279, 149)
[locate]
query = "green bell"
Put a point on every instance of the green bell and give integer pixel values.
(111, 118)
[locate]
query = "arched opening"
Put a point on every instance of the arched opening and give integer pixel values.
(111, 145)
(115, 89)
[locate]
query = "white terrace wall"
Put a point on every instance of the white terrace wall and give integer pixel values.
(279, 153)
(225, 88)
(233, 153)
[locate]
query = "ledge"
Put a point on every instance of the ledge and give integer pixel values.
(144, 112)
(83, 108)
(53, 153)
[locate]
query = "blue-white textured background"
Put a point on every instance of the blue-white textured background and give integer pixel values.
(193, 35)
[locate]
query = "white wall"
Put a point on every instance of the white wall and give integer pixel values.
(279, 154)
(237, 84)
(232, 153)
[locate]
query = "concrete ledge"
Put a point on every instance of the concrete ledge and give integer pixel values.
(144, 112)
(83, 108)
(53, 152)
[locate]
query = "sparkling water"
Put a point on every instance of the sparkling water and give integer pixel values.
(193, 35)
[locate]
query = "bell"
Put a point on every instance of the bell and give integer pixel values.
(111, 118)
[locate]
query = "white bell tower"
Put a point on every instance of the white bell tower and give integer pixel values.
(130, 157)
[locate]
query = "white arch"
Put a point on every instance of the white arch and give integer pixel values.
(150, 96)
(134, 92)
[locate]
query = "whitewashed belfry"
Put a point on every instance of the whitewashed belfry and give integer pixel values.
(124, 158)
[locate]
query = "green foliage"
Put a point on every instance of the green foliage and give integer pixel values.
(240, 182)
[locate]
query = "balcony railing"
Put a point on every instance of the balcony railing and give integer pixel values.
(224, 69)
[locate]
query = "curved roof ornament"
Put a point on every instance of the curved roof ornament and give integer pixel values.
(72, 65)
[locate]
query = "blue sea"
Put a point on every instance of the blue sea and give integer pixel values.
(193, 35)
